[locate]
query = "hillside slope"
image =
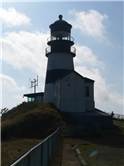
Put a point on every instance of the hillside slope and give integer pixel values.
(24, 126)
(30, 120)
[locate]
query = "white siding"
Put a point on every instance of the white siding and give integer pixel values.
(70, 94)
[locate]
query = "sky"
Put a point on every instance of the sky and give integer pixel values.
(97, 28)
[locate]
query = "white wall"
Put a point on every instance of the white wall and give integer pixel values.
(70, 94)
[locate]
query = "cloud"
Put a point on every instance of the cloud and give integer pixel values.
(11, 17)
(90, 22)
(25, 50)
(11, 93)
(85, 56)
(106, 98)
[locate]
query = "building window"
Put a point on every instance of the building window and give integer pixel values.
(87, 91)
(31, 99)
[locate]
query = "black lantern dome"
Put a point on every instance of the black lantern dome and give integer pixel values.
(60, 38)
(60, 25)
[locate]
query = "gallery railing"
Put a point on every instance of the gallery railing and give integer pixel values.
(48, 50)
(52, 38)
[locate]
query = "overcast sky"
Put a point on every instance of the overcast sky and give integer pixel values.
(98, 31)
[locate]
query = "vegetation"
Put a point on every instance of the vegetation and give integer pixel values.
(120, 124)
(95, 155)
(106, 150)
(30, 120)
(24, 126)
(12, 149)
(27, 124)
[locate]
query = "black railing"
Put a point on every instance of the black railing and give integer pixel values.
(48, 50)
(117, 116)
(73, 50)
(46, 153)
(52, 38)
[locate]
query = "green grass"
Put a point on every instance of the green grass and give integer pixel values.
(24, 126)
(30, 120)
(109, 147)
(120, 125)
(14, 148)
(103, 155)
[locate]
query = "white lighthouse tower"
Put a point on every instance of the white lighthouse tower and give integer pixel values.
(64, 87)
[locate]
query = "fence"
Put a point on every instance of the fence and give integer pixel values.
(46, 153)
(118, 116)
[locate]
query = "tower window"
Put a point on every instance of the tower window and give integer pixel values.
(87, 91)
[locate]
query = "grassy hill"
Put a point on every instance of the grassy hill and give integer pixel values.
(105, 149)
(24, 126)
(28, 123)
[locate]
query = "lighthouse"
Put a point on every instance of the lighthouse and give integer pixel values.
(64, 87)
(69, 91)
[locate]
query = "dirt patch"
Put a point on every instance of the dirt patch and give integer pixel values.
(69, 158)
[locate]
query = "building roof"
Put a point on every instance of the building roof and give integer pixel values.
(55, 75)
(99, 112)
(33, 94)
(60, 25)
(85, 78)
